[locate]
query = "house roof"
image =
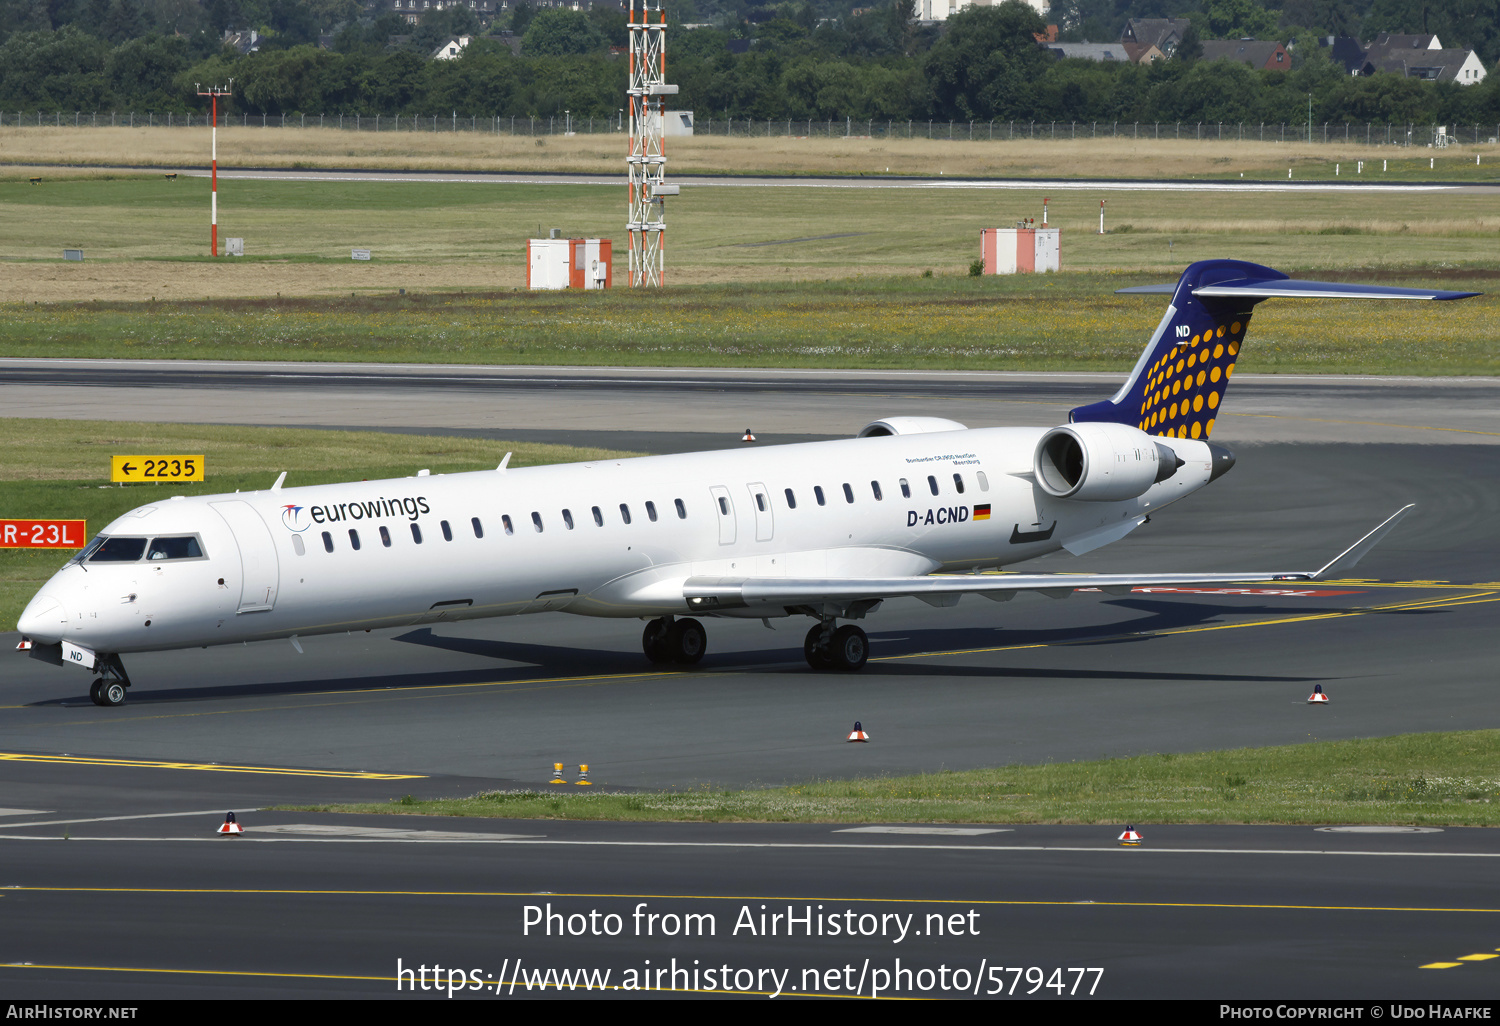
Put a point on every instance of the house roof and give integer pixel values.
(1257, 53)
(1162, 33)
(1434, 65)
(1091, 51)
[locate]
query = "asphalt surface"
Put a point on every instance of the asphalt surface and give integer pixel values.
(456, 709)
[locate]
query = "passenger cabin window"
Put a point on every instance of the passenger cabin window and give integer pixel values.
(119, 550)
(932, 483)
(791, 500)
(354, 539)
(760, 501)
(416, 534)
(848, 493)
(505, 523)
(598, 517)
(905, 489)
(297, 545)
(478, 527)
(818, 494)
(723, 506)
(447, 531)
(536, 521)
(624, 512)
(327, 542)
(958, 483)
(984, 482)
(875, 488)
(385, 537)
(681, 509)
(651, 511)
(568, 519)
(174, 548)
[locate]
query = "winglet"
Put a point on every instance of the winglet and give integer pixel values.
(1354, 553)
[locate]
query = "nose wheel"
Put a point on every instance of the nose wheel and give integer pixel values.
(107, 692)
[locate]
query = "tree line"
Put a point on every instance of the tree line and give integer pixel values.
(984, 66)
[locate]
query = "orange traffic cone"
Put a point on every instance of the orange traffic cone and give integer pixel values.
(229, 828)
(858, 733)
(1130, 838)
(749, 436)
(1317, 697)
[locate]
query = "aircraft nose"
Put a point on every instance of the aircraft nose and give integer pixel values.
(44, 619)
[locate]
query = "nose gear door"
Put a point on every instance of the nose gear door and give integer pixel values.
(260, 570)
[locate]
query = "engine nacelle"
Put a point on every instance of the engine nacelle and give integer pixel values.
(1101, 462)
(909, 426)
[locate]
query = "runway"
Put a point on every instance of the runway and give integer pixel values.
(460, 708)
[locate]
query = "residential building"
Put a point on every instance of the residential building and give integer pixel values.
(1089, 51)
(1261, 54)
(1421, 56)
(451, 50)
(1162, 33)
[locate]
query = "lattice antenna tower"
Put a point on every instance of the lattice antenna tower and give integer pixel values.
(647, 160)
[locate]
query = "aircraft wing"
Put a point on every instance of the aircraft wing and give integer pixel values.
(708, 594)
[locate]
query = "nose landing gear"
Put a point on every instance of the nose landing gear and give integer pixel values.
(670, 640)
(109, 690)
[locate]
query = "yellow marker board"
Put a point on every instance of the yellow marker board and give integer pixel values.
(156, 468)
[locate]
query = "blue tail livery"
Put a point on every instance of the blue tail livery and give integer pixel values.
(1179, 381)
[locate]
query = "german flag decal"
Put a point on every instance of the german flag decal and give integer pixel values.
(982, 512)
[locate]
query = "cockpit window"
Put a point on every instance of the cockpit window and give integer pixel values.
(89, 549)
(174, 548)
(118, 550)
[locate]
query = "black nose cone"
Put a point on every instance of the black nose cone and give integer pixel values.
(1223, 461)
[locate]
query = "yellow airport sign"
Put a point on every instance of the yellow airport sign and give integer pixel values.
(155, 468)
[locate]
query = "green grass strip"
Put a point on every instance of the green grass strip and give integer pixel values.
(1438, 779)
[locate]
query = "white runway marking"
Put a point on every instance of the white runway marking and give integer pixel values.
(114, 819)
(23, 812)
(329, 830)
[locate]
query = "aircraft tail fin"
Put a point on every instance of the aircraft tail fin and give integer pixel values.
(1179, 381)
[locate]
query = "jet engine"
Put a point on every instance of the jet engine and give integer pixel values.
(909, 426)
(1101, 462)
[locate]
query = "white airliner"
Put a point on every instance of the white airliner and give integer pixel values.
(913, 506)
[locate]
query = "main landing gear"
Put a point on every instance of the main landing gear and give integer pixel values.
(110, 689)
(829, 648)
(670, 640)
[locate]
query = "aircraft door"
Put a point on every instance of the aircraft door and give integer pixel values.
(760, 502)
(724, 510)
(260, 572)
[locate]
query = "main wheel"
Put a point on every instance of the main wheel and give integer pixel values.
(686, 641)
(654, 641)
(813, 650)
(112, 693)
(849, 648)
(96, 691)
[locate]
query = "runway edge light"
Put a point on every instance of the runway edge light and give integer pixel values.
(1130, 838)
(557, 777)
(230, 828)
(858, 733)
(749, 436)
(1317, 697)
(583, 776)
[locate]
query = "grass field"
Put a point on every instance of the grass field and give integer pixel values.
(59, 469)
(1420, 779)
(1053, 322)
(1046, 156)
(146, 237)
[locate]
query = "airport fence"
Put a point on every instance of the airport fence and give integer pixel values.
(1368, 133)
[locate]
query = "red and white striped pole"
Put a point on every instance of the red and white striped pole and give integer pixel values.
(213, 204)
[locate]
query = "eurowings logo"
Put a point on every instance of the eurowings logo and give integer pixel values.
(291, 516)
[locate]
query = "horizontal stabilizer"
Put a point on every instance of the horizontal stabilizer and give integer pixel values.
(1292, 288)
(711, 594)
